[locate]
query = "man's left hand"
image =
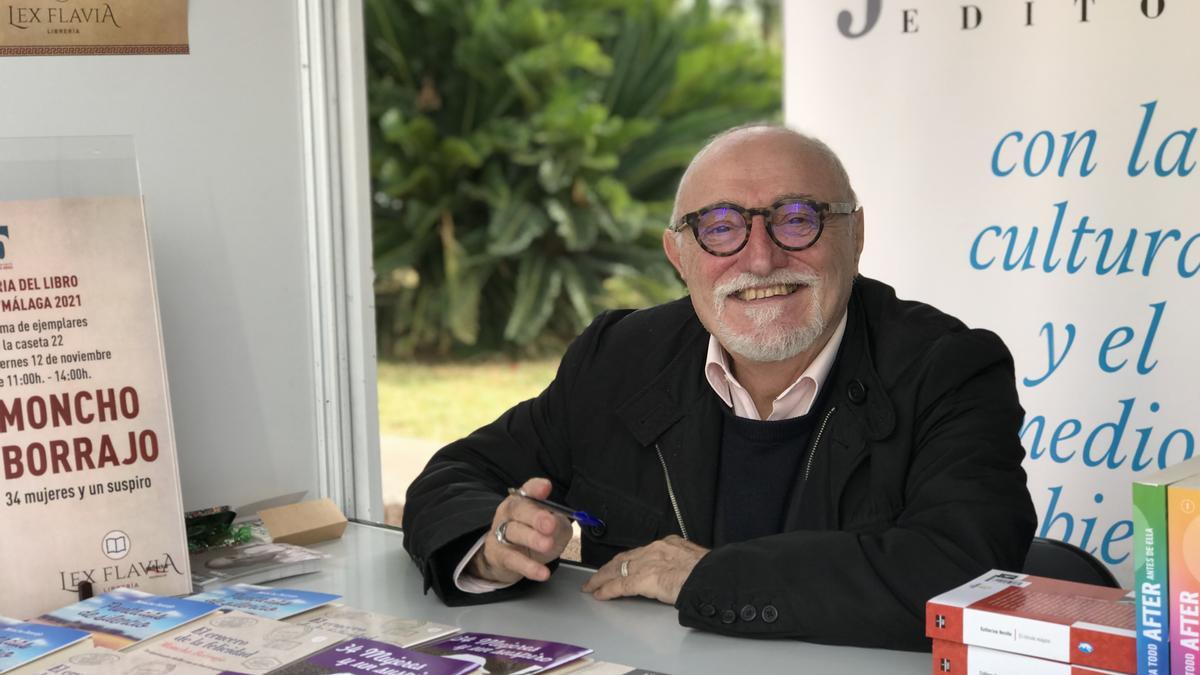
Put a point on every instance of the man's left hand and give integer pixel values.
(656, 571)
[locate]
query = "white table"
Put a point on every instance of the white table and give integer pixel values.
(369, 568)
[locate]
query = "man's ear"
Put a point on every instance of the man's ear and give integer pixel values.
(671, 248)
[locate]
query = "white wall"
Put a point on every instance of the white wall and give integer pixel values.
(219, 142)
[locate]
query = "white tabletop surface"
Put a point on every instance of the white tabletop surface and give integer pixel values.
(369, 568)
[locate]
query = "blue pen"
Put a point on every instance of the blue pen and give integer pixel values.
(582, 517)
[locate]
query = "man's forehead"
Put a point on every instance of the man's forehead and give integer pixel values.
(759, 171)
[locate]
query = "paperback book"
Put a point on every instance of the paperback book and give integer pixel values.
(100, 661)
(22, 645)
(1183, 542)
(124, 617)
(264, 601)
(238, 642)
(955, 657)
(1051, 619)
(360, 656)
(251, 563)
(1151, 571)
(503, 654)
(353, 623)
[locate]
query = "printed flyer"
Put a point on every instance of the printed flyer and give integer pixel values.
(89, 480)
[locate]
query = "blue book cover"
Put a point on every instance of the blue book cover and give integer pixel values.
(22, 643)
(272, 603)
(125, 616)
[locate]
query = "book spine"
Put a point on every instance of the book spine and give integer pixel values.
(1183, 544)
(953, 657)
(1150, 566)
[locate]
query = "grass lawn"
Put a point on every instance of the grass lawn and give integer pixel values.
(446, 401)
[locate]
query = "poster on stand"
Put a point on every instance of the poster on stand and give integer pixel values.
(89, 480)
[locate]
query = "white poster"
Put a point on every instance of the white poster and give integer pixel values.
(90, 489)
(1031, 167)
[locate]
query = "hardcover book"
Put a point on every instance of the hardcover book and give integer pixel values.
(503, 654)
(1151, 574)
(360, 656)
(1183, 542)
(352, 623)
(23, 644)
(120, 618)
(955, 657)
(88, 456)
(1063, 621)
(251, 563)
(264, 601)
(238, 642)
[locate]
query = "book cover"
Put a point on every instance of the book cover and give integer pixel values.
(21, 644)
(101, 661)
(88, 469)
(360, 656)
(1151, 578)
(238, 642)
(504, 654)
(125, 616)
(264, 601)
(251, 563)
(1183, 545)
(352, 623)
(1063, 621)
(955, 657)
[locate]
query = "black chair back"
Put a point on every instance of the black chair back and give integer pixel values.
(1059, 560)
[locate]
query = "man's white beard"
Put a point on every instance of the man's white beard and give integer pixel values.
(768, 341)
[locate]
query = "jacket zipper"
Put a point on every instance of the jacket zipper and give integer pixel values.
(812, 452)
(671, 492)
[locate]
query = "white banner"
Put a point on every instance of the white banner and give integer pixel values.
(1031, 167)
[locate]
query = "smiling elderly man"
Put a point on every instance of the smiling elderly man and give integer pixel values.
(792, 451)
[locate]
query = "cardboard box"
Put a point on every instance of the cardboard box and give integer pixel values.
(304, 523)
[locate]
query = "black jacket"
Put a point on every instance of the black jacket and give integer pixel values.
(916, 483)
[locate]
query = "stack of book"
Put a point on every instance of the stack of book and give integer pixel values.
(1005, 623)
(1166, 569)
(255, 630)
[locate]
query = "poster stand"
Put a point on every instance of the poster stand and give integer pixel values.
(88, 466)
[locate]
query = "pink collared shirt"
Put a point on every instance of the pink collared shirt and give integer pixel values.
(794, 401)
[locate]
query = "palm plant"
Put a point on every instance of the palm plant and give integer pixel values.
(525, 152)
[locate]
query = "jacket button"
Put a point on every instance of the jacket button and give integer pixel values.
(728, 616)
(749, 613)
(598, 530)
(856, 392)
(770, 614)
(708, 610)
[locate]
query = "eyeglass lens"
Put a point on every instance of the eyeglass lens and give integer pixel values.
(794, 224)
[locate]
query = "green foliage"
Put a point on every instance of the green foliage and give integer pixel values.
(525, 153)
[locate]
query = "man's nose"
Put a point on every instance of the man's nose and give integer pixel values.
(761, 254)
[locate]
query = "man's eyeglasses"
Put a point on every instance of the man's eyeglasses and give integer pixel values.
(794, 224)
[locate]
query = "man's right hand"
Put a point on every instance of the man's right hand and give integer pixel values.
(535, 535)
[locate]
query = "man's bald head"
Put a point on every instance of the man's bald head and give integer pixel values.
(807, 149)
